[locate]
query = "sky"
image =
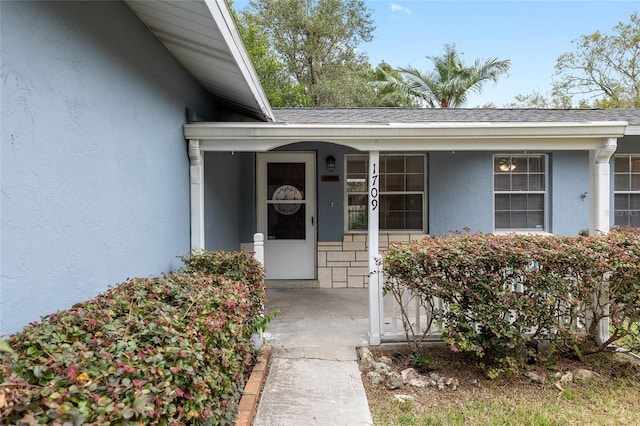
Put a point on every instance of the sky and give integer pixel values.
(531, 34)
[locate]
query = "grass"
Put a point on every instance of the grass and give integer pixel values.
(611, 399)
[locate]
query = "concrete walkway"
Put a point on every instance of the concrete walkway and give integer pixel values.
(314, 377)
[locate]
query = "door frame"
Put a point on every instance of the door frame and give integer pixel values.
(310, 242)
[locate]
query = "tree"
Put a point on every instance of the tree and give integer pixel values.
(605, 68)
(316, 40)
(280, 89)
(537, 100)
(386, 96)
(450, 82)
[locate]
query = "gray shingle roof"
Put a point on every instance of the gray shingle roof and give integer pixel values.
(425, 115)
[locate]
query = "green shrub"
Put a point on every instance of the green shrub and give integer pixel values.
(502, 291)
(166, 350)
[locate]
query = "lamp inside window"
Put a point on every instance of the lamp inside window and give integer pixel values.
(505, 165)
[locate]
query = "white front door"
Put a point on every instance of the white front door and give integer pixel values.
(286, 213)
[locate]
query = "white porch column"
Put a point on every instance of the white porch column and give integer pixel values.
(600, 214)
(258, 247)
(375, 288)
(196, 174)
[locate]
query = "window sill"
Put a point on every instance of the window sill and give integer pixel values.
(521, 232)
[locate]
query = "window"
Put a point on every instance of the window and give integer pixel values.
(402, 192)
(519, 184)
(627, 190)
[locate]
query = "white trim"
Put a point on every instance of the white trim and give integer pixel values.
(376, 307)
(260, 137)
(196, 179)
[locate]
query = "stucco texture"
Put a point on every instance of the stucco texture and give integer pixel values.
(95, 173)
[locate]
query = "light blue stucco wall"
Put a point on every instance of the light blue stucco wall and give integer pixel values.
(569, 181)
(460, 192)
(229, 200)
(95, 175)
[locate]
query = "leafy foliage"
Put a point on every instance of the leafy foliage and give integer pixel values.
(604, 68)
(165, 350)
(502, 292)
(316, 40)
(449, 83)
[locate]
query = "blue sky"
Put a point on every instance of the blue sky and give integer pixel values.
(532, 34)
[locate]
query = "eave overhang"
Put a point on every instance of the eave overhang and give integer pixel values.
(461, 136)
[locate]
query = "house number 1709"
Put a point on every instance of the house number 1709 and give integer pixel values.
(374, 188)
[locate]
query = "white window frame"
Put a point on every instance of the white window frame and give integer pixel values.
(628, 173)
(423, 193)
(545, 193)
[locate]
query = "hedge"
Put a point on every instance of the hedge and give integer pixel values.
(166, 350)
(503, 292)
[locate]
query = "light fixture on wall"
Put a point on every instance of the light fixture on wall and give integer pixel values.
(506, 165)
(331, 163)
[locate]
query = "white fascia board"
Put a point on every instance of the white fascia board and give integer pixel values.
(632, 131)
(223, 17)
(403, 137)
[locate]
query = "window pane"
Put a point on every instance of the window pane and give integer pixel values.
(393, 202)
(394, 183)
(535, 220)
(621, 163)
(536, 182)
(357, 184)
(357, 214)
(502, 220)
(503, 202)
(415, 182)
(502, 182)
(519, 164)
(357, 164)
(519, 182)
(535, 202)
(415, 164)
(287, 179)
(621, 202)
(286, 221)
(518, 220)
(413, 202)
(634, 201)
(414, 220)
(502, 164)
(621, 182)
(635, 164)
(518, 202)
(394, 164)
(536, 164)
(634, 218)
(635, 182)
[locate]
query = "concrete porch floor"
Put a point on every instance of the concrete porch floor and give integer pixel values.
(316, 317)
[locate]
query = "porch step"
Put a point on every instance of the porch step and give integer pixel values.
(292, 283)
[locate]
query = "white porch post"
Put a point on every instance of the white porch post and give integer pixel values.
(196, 174)
(600, 215)
(375, 289)
(258, 247)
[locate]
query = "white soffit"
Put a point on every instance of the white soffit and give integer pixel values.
(471, 136)
(202, 36)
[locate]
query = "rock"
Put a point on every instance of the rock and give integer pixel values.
(386, 360)
(366, 358)
(434, 376)
(392, 380)
(420, 383)
(381, 367)
(474, 382)
(584, 374)
(566, 377)
(374, 377)
(535, 377)
(409, 374)
(452, 384)
(403, 398)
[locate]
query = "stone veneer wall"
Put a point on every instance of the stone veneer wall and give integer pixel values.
(346, 263)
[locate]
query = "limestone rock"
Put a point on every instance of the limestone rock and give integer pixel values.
(381, 367)
(566, 377)
(584, 374)
(386, 360)
(366, 358)
(403, 398)
(374, 377)
(535, 377)
(393, 380)
(409, 374)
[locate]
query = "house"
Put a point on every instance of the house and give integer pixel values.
(107, 179)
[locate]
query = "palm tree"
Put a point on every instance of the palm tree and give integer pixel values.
(450, 82)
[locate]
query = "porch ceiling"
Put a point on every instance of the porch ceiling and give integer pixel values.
(202, 36)
(434, 136)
